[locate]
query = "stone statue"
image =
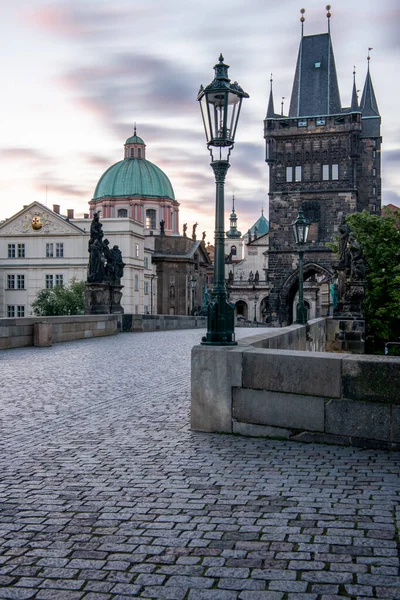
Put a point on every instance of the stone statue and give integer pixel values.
(115, 265)
(203, 237)
(206, 301)
(96, 229)
(344, 232)
(194, 232)
(257, 277)
(251, 277)
(184, 229)
(96, 271)
(249, 232)
(230, 277)
(162, 224)
(357, 265)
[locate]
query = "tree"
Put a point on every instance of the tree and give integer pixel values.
(69, 300)
(379, 238)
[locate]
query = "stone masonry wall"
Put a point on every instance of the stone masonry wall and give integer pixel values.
(303, 396)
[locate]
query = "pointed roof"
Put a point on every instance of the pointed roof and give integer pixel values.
(369, 105)
(233, 231)
(270, 109)
(315, 87)
(354, 97)
(262, 226)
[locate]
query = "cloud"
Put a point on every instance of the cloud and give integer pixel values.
(18, 154)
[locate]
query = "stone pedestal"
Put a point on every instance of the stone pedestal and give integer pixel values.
(42, 335)
(346, 335)
(103, 298)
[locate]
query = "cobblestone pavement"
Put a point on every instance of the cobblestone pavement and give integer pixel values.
(106, 494)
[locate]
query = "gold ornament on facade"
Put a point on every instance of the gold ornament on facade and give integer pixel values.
(36, 223)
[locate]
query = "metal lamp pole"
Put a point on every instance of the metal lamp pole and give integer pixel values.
(151, 293)
(220, 104)
(301, 227)
(193, 283)
(255, 308)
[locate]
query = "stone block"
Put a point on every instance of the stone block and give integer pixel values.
(215, 370)
(252, 430)
(365, 420)
(374, 378)
(42, 335)
(278, 409)
(290, 371)
(311, 437)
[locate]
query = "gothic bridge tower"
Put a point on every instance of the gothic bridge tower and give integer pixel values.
(322, 157)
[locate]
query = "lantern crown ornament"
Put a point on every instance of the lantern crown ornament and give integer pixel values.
(220, 104)
(301, 227)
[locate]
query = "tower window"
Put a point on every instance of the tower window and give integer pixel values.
(374, 191)
(325, 172)
(317, 65)
(335, 172)
(132, 152)
(150, 218)
(139, 153)
(233, 250)
(374, 172)
(298, 173)
(122, 212)
(289, 173)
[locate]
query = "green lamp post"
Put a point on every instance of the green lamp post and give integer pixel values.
(301, 227)
(220, 104)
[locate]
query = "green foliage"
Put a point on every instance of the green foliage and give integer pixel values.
(69, 300)
(379, 238)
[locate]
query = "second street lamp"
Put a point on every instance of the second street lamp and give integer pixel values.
(220, 104)
(193, 284)
(301, 227)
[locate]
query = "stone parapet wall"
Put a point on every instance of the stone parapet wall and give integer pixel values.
(140, 323)
(17, 333)
(254, 390)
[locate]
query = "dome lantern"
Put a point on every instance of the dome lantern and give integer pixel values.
(134, 146)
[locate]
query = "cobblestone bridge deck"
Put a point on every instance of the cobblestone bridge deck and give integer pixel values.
(106, 494)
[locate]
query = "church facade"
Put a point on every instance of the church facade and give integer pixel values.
(323, 158)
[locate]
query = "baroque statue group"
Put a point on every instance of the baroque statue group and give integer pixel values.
(105, 263)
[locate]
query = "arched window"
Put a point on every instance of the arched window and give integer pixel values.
(132, 152)
(150, 218)
(233, 250)
(139, 153)
(122, 212)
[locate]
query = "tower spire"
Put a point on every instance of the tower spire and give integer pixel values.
(369, 105)
(328, 16)
(134, 128)
(270, 109)
(354, 97)
(302, 19)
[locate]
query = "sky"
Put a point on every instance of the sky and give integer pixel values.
(77, 75)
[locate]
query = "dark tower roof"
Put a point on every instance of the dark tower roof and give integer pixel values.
(354, 97)
(371, 119)
(270, 109)
(315, 87)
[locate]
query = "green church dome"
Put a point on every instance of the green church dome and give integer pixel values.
(134, 177)
(135, 139)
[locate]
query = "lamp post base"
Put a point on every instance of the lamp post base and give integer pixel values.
(301, 317)
(220, 324)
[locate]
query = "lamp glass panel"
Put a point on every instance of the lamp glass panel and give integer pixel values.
(206, 117)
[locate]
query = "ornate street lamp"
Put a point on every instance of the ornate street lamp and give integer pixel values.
(193, 284)
(301, 227)
(220, 104)
(151, 293)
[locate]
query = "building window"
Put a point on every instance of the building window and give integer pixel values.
(374, 191)
(146, 287)
(21, 250)
(20, 311)
(298, 174)
(289, 174)
(136, 283)
(302, 123)
(20, 282)
(59, 279)
(49, 251)
(122, 212)
(11, 282)
(146, 262)
(320, 122)
(49, 282)
(233, 250)
(374, 154)
(137, 250)
(325, 172)
(132, 152)
(60, 250)
(139, 153)
(374, 172)
(11, 251)
(335, 172)
(150, 218)
(10, 311)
